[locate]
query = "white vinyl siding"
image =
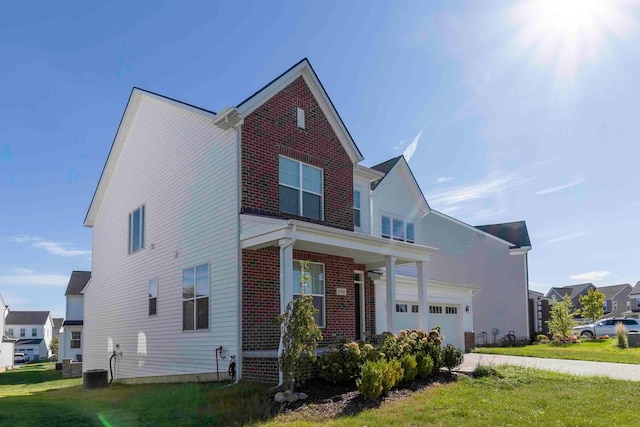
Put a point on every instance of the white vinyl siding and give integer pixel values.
(153, 297)
(185, 172)
(136, 230)
(361, 185)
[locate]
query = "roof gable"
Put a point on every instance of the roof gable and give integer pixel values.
(304, 69)
(610, 292)
(399, 164)
(121, 135)
(27, 317)
(77, 282)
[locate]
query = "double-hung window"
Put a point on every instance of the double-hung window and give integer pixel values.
(153, 297)
(34, 332)
(314, 287)
(136, 230)
(11, 332)
(23, 332)
(195, 298)
(76, 339)
(356, 208)
(301, 188)
(398, 229)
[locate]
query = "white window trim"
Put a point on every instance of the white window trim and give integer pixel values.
(324, 295)
(71, 339)
(195, 304)
(23, 332)
(301, 190)
(359, 209)
(34, 332)
(405, 223)
(300, 118)
(143, 224)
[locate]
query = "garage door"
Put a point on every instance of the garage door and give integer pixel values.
(449, 318)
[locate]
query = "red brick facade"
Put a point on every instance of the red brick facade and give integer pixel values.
(469, 341)
(272, 130)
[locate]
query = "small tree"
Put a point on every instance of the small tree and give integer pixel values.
(54, 346)
(300, 334)
(592, 306)
(561, 319)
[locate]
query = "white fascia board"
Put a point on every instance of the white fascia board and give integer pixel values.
(470, 227)
(367, 173)
(519, 251)
(304, 69)
(121, 136)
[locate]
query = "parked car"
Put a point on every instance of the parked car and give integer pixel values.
(19, 358)
(607, 327)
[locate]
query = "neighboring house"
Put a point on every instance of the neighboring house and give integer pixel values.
(574, 292)
(538, 313)
(7, 342)
(634, 302)
(34, 331)
(57, 325)
(617, 300)
(199, 220)
(70, 341)
(477, 282)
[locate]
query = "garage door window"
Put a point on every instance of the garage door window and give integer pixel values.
(451, 310)
(401, 308)
(414, 309)
(435, 309)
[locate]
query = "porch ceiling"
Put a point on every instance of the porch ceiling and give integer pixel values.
(259, 232)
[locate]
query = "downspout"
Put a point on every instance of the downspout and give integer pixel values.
(370, 211)
(526, 278)
(239, 257)
(283, 304)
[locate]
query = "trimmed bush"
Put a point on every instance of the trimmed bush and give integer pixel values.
(392, 375)
(425, 366)
(409, 367)
(378, 377)
(451, 357)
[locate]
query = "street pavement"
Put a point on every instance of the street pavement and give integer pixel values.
(621, 371)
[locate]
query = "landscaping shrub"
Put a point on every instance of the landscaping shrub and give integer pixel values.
(451, 357)
(341, 364)
(425, 365)
(435, 352)
(542, 339)
(409, 367)
(623, 341)
(378, 377)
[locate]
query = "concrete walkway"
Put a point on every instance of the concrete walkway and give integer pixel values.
(621, 371)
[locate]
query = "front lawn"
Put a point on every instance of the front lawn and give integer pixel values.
(591, 350)
(33, 395)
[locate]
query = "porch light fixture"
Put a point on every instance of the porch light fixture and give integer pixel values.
(466, 309)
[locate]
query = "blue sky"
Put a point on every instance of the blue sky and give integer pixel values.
(518, 111)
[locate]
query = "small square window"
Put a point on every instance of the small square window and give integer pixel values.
(401, 308)
(414, 308)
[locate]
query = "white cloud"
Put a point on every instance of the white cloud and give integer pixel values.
(560, 187)
(55, 248)
(18, 270)
(408, 153)
(444, 179)
(19, 280)
(567, 237)
(592, 276)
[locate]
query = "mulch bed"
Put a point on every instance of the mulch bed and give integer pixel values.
(327, 400)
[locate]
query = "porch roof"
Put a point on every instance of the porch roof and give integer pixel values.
(258, 232)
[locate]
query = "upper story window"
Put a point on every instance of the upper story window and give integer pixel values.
(356, 209)
(136, 230)
(315, 288)
(398, 229)
(23, 332)
(76, 339)
(301, 189)
(153, 297)
(195, 298)
(34, 332)
(11, 331)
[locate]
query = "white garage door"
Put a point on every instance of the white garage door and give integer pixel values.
(449, 318)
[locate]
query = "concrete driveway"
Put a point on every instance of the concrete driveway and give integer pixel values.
(621, 371)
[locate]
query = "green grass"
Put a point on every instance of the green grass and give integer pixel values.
(596, 351)
(521, 397)
(34, 395)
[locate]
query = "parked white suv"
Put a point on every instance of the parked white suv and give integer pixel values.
(19, 358)
(607, 327)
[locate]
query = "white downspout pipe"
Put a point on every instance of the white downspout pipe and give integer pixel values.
(283, 303)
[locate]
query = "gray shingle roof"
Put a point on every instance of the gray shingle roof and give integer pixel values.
(384, 167)
(635, 292)
(513, 232)
(27, 317)
(572, 290)
(611, 291)
(77, 282)
(57, 323)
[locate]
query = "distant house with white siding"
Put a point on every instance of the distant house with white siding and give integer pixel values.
(70, 340)
(7, 342)
(34, 331)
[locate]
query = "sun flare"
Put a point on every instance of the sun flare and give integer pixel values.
(568, 33)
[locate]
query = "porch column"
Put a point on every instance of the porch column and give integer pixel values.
(422, 295)
(286, 265)
(391, 291)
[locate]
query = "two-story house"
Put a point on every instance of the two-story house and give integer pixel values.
(70, 339)
(477, 289)
(34, 331)
(574, 292)
(200, 220)
(7, 342)
(617, 300)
